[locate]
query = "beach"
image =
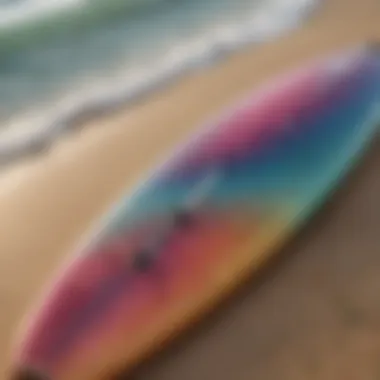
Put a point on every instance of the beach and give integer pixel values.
(49, 203)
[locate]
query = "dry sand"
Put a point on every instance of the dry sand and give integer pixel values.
(316, 315)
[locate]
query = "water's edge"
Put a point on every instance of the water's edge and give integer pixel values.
(39, 140)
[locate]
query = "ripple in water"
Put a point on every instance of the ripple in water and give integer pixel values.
(64, 61)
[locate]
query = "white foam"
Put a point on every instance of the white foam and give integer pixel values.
(13, 15)
(20, 138)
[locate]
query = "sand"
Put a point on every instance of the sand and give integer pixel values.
(316, 315)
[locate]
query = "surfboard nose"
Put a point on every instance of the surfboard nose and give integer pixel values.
(27, 374)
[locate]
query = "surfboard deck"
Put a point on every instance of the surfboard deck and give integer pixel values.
(220, 206)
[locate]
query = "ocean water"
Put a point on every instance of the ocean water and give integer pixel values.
(62, 61)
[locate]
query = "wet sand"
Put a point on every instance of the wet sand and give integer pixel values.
(315, 314)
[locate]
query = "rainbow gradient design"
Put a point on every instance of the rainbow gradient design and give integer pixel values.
(241, 187)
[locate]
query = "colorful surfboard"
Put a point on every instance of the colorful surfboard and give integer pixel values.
(203, 220)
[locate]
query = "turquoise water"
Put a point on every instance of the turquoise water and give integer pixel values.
(39, 60)
(57, 54)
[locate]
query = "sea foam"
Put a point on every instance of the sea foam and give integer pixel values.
(158, 48)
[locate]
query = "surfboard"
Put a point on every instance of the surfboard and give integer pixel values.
(203, 220)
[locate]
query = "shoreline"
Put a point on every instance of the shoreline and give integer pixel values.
(220, 46)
